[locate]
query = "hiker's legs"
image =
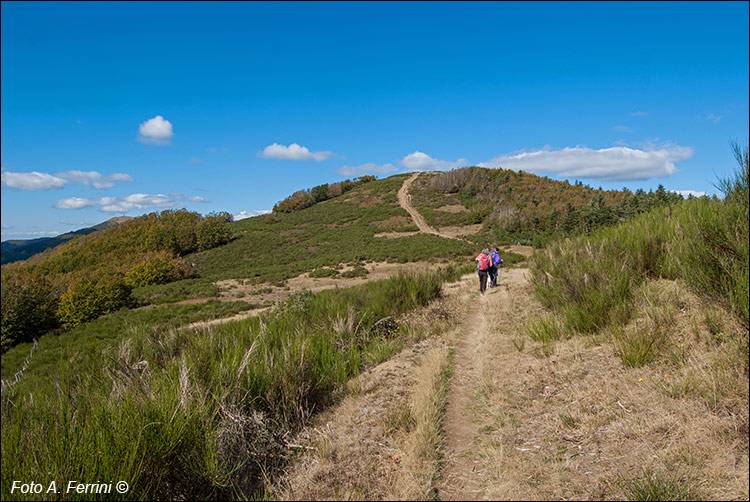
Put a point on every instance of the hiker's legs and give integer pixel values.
(493, 277)
(482, 281)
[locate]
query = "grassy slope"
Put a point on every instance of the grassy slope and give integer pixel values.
(342, 230)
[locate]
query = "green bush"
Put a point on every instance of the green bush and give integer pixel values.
(324, 272)
(88, 299)
(28, 307)
(160, 268)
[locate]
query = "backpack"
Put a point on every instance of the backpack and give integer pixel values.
(484, 262)
(496, 258)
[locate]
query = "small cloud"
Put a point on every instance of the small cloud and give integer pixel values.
(368, 168)
(689, 193)
(608, 164)
(94, 178)
(245, 214)
(714, 118)
(32, 181)
(155, 131)
(292, 152)
(639, 114)
(195, 160)
(419, 161)
(621, 128)
(195, 198)
(213, 149)
(129, 203)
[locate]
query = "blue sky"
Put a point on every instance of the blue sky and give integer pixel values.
(133, 107)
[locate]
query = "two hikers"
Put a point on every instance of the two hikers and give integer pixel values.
(487, 266)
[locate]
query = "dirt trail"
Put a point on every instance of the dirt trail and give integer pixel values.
(405, 200)
(463, 475)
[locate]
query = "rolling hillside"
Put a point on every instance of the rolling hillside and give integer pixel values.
(19, 250)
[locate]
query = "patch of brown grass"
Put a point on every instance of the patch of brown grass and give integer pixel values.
(572, 421)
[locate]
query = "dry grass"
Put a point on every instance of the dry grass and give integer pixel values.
(424, 438)
(381, 441)
(570, 420)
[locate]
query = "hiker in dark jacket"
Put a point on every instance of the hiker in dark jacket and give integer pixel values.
(483, 267)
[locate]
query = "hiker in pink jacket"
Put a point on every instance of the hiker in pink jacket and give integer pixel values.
(484, 262)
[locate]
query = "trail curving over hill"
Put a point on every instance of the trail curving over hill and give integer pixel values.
(405, 200)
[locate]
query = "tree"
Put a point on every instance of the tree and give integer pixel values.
(88, 299)
(28, 307)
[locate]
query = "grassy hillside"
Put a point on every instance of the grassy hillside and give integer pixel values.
(521, 207)
(196, 414)
(341, 230)
(13, 251)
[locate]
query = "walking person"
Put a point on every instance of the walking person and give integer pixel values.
(497, 266)
(483, 268)
(493, 268)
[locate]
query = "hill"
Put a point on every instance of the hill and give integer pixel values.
(531, 388)
(19, 250)
(332, 230)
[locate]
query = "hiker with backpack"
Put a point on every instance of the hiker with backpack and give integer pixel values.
(497, 264)
(484, 262)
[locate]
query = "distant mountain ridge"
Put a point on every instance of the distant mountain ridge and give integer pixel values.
(17, 250)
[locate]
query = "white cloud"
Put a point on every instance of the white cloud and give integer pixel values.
(245, 214)
(368, 168)
(75, 203)
(419, 161)
(608, 164)
(94, 178)
(688, 193)
(129, 203)
(621, 128)
(195, 160)
(714, 118)
(639, 114)
(155, 131)
(292, 152)
(32, 181)
(195, 198)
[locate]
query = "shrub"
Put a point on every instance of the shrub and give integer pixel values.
(212, 232)
(156, 269)
(28, 307)
(88, 299)
(323, 272)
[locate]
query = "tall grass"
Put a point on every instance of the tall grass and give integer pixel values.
(181, 414)
(590, 280)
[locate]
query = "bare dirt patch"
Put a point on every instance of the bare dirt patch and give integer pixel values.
(453, 208)
(393, 235)
(394, 221)
(460, 231)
